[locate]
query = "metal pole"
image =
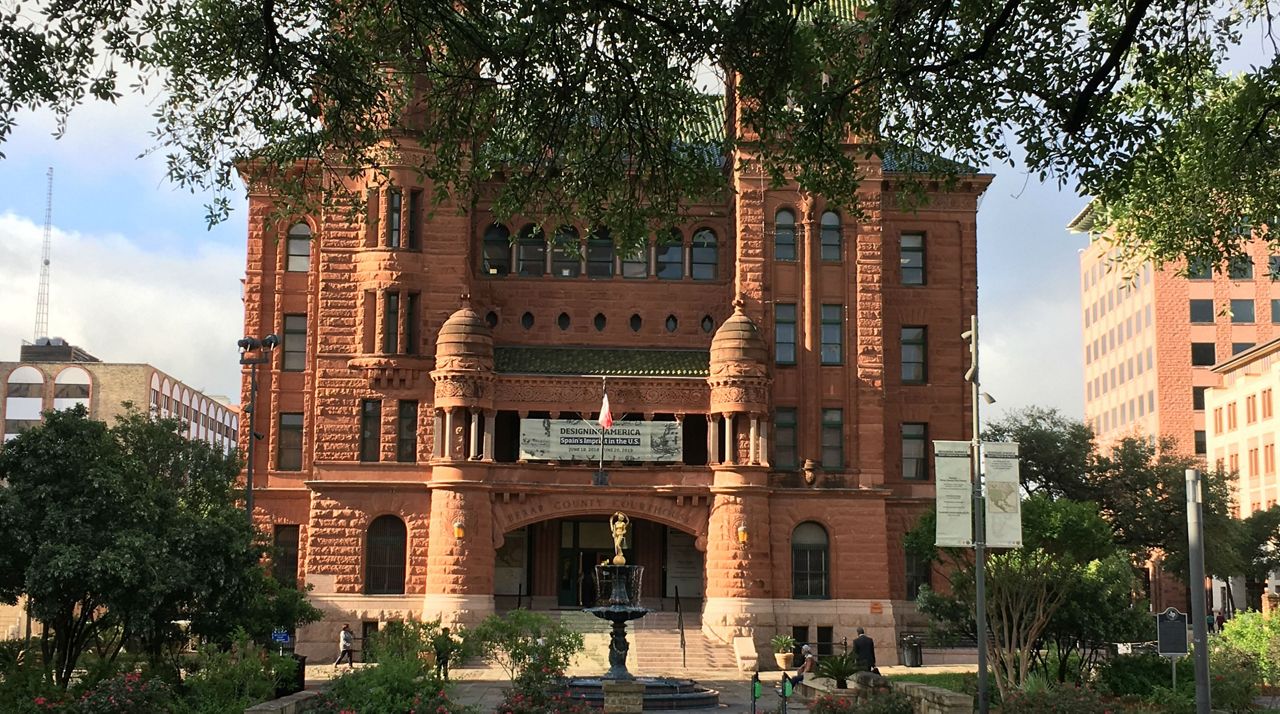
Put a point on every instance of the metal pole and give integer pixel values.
(979, 525)
(1199, 630)
(248, 472)
(604, 391)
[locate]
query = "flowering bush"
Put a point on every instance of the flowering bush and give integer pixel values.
(230, 680)
(1055, 700)
(518, 702)
(392, 687)
(891, 703)
(1258, 636)
(125, 694)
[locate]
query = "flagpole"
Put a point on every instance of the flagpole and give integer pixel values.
(604, 389)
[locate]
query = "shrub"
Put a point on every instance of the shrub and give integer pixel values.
(126, 694)
(23, 685)
(1133, 674)
(402, 642)
(1258, 636)
(520, 639)
(394, 686)
(840, 667)
(518, 702)
(782, 644)
(1058, 700)
(225, 680)
(1234, 678)
(890, 703)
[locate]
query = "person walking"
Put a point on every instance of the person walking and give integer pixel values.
(346, 647)
(864, 650)
(443, 646)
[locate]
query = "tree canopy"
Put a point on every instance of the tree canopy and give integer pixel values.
(116, 534)
(599, 110)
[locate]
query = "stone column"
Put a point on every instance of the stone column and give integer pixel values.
(739, 576)
(459, 569)
(713, 441)
(752, 452)
(764, 442)
(473, 416)
(730, 444)
(448, 430)
(437, 434)
(490, 420)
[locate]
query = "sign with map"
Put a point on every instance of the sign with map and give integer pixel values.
(1004, 496)
(579, 440)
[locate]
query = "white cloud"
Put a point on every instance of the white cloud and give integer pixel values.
(121, 303)
(1031, 354)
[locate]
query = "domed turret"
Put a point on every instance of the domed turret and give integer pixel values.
(465, 342)
(737, 348)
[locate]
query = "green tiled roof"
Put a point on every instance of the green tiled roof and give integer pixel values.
(593, 361)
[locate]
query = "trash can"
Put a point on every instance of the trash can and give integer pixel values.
(911, 651)
(297, 682)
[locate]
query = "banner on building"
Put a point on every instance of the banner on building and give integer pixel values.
(1004, 497)
(952, 469)
(579, 440)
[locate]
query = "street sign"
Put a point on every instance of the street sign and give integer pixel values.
(1171, 633)
(281, 636)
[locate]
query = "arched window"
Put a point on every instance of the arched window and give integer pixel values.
(166, 399)
(497, 250)
(531, 251)
(703, 256)
(784, 235)
(831, 236)
(24, 399)
(385, 557)
(809, 558)
(71, 387)
(670, 263)
(155, 393)
(298, 247)
(566, 254)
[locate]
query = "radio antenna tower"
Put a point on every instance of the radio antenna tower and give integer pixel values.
(42, 301)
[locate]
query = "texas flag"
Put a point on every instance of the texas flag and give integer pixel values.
(606, 417)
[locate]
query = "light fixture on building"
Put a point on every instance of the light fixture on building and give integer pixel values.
(743, 534)
(253, 352)
(459, 529)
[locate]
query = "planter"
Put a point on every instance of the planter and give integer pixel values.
(784, 659)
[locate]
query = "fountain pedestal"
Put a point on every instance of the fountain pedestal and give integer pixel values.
(619, 606)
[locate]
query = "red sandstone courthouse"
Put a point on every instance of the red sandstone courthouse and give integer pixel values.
(776, 368)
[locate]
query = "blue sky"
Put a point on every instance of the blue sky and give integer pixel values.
(138, 276)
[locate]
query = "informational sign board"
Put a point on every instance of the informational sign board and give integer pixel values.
(1004, 495)
(1171, 633)
(954, 492)
(579, 440)
(281, 636)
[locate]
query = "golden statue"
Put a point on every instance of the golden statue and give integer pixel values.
(619, 524)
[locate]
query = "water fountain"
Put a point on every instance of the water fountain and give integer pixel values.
(618, 585)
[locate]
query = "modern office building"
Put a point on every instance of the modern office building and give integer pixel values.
(775, 365)
(53, 374)
(1242, 434)
(1152, 336)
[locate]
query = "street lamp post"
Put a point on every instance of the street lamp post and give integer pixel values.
(979, 517)
(253, 352)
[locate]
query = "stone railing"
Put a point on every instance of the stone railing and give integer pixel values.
(297, 703)
(924, 699)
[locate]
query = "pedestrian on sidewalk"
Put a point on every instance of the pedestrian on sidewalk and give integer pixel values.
(864, 650)
(443, 646)
(346, 645)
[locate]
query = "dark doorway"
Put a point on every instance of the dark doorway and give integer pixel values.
(583, 545)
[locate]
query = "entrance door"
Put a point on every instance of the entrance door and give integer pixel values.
(583, 545)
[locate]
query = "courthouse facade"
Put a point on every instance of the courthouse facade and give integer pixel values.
(776, 368)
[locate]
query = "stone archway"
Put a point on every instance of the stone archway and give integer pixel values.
(688, 513)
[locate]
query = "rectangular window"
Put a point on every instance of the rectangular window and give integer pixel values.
(832, 334)
(1241, 268)
(566, 260)
(1238, 347)
(285, 561)
(1200, 270)
(407, 432)
(670, 259)
(784, 438)
(531, 253)
(289, 443)
(298, 252)
(1231, 416)
(1203, 354)
(833, 439)
(370, 428)
(911, 256)
(411, 319)
(391, 324)
(1201, 448)
(295, 343)
(915, 460)
(915, 350)
(600, 257)
(919, 574)
(1250, 409)
(413, 234)
(1197, 398)
(637, 265)
(784, 337)
(1217, 420)
(395, 200)
(1266, 404)
(1202, 311)
(1242, 311)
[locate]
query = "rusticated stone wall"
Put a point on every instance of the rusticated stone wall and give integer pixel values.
(339, 519)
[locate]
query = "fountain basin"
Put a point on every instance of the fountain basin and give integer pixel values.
(659, 693)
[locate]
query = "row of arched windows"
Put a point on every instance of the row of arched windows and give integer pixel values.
(203, 418)
(830, 236)
(566, 255)
(24, 394)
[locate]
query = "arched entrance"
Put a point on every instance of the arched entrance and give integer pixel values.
(550, 564)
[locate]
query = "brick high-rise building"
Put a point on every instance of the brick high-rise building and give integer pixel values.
(1152, 337)
(776, 365)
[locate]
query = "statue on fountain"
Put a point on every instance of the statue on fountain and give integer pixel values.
(618, 524)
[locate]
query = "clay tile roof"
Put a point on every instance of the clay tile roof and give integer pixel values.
(578, 361)
(738, 340)
(465, 334)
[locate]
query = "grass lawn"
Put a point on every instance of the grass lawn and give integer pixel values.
(954, 681)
